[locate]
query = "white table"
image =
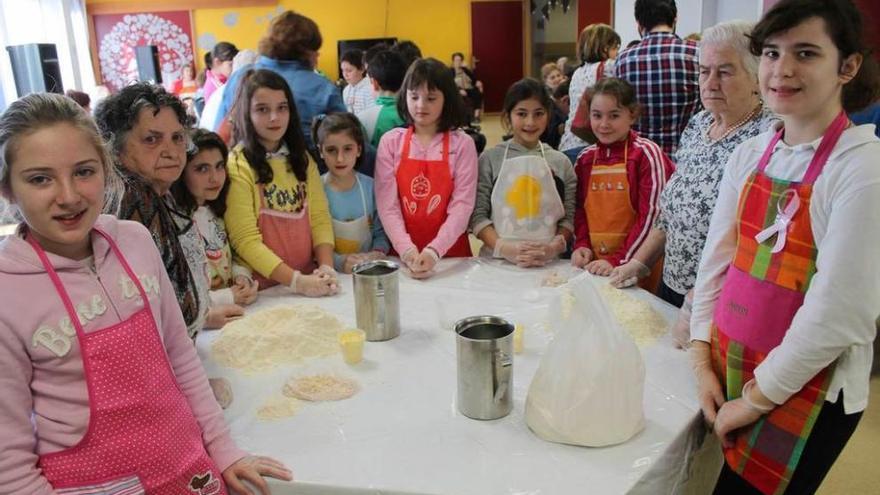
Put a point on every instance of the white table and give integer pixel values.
(402, 434)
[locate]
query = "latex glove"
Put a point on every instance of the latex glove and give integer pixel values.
(681, 329)
(244, 290)
(600, 267)
(580, 257)
(327, 270)
(314, 285)
(508, 250)
(351, 261)
(409, 258)
(425, 263)
(540, 253)
(732, 416)
(222, 314)
(629, 273)
(374, 255)
(253, 468)
(709, 393)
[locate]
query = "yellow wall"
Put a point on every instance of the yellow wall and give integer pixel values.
(439, 27)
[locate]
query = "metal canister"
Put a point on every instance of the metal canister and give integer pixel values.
(377, 299)
(484, 347)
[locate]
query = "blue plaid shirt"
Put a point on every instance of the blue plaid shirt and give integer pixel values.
(664, 70)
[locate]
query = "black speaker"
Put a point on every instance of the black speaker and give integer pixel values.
(35, 68)
(149, 70)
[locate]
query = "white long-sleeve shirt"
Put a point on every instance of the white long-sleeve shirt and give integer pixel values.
(837, 319)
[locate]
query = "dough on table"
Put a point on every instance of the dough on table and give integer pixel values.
(222, 389)
(278, 335)
(644, 323)
(318, 388)
(278, 407)
(553, 280)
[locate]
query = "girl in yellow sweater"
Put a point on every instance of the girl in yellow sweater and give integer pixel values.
(277, 215)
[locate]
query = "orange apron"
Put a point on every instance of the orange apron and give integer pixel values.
(288, 235)
(610, 213)
(424, 188)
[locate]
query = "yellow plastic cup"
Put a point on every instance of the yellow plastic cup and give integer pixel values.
(518, 344)
(351, 342)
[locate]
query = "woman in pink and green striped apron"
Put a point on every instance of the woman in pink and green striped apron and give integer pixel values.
(788, 289)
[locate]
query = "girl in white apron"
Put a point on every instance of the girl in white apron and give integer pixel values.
(524, 212)
(357, 230)
(788, 289)
(103, 391)
(201, 193)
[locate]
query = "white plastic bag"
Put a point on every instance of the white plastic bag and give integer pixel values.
(589, 385)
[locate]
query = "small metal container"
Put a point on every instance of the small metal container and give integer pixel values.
(377, 299)
(484, 347)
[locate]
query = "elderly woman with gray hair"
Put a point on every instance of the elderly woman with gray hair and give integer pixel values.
(146, 129)
(733, 113)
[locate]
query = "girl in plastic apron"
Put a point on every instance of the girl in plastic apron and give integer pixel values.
(525, 202)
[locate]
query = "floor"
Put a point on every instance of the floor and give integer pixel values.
(856, 471)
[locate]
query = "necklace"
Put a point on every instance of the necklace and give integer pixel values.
(730, 130)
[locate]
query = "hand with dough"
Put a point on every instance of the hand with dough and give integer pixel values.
(222, 314)
(600, 267)
(423, 267)
(540, 253)
(315, 285)
(244, 290)
(581, 257)
(629, 273)
(350, 261)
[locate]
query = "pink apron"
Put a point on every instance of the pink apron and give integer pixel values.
(140, 424)
(764, 287)
(288, 235)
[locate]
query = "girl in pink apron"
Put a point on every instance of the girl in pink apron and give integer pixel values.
(102, 388)
(524, 211)
(426, 173)
(276, 211)
(788, 289)
(357, 230)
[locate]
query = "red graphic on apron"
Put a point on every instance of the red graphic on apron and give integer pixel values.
(420, 187)
(434, 203)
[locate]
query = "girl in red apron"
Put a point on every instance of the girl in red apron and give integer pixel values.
(103, 390)
(356, 227)
(276, 211)
(788, 289)
(619, 183)
(526, 190)
(426, 173)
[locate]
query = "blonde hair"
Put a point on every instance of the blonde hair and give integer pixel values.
(595, 43)
(548, 69)
(37, 111)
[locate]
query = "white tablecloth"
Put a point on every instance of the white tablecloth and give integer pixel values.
(403, 434)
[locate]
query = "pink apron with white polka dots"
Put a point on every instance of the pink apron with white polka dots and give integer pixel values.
(140, 424)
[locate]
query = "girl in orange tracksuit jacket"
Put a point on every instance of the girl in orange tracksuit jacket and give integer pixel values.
(619, 183)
